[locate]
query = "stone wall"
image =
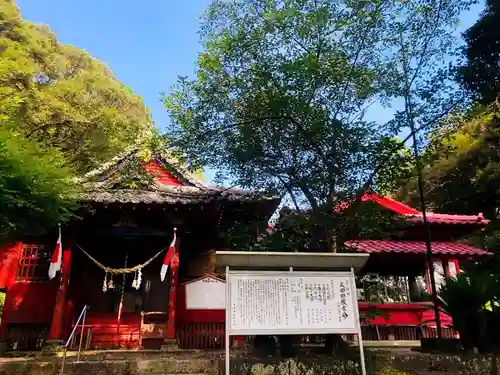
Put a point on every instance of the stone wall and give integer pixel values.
(401, 364)
(416, 364)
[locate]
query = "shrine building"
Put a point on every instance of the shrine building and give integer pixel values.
(114, 250)
(126, 220)
(396, 278)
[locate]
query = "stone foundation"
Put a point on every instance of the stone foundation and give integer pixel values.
(197, 363)
(390, 365)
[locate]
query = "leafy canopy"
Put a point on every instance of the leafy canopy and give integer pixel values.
(480, 74)
(282, 90)
(62, 97)
(61, 113)
(462, 169)
(36, 186)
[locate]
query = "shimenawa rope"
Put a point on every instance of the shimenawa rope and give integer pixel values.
(120, 271)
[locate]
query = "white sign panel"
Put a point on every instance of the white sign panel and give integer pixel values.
(292, 303)
(206, 294)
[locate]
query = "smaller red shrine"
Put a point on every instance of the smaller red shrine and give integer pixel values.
(396, 277)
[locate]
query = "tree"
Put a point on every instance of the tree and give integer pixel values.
(36, 186)
(282, 89)
(462, 168)
(60, 96)
(480, 75)
(398, 168)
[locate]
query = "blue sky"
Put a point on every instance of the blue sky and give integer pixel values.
(147, 45)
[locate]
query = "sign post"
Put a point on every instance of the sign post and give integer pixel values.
(228, 320)
(291, 302)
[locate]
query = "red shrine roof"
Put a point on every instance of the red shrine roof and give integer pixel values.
(412, 215)
(389, 203)
(415, 247)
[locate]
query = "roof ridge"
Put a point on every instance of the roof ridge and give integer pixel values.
(448, 218)
(134, 151)
(107, 165)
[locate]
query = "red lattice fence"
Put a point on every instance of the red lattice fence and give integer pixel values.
(201, 335)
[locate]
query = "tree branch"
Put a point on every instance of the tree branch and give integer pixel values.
(377, 169)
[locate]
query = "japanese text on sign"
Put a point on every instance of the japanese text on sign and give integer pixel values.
(292, 302)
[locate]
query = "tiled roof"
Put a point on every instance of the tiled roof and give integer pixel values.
(172, 195)
(410, 214)
(173, 183)
(415, 247)
(434, 218)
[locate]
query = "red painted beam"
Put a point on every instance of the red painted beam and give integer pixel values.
(174, 278)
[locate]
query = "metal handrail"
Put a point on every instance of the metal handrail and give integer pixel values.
(82, 317)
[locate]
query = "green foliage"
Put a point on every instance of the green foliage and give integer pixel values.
(62, 97)
(2, 301)
(466, 295)
(480, 75)
(282, 89)
(462, 154)
(398, 169)
(307, 231)
(465, 298)
(36, 186)
(462, 169)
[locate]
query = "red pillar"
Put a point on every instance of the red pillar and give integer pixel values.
(57, 328)
(174, 276)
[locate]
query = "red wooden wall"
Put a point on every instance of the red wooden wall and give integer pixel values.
(198, 329)
(29, 302)
(401, 314)
(162, 176)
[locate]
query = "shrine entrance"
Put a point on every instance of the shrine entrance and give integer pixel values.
(126, 309)
(142, 291)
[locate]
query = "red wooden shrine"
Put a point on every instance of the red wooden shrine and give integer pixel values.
(127, 219)
(403, 254)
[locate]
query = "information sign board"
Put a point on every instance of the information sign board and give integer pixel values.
(291, 303)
